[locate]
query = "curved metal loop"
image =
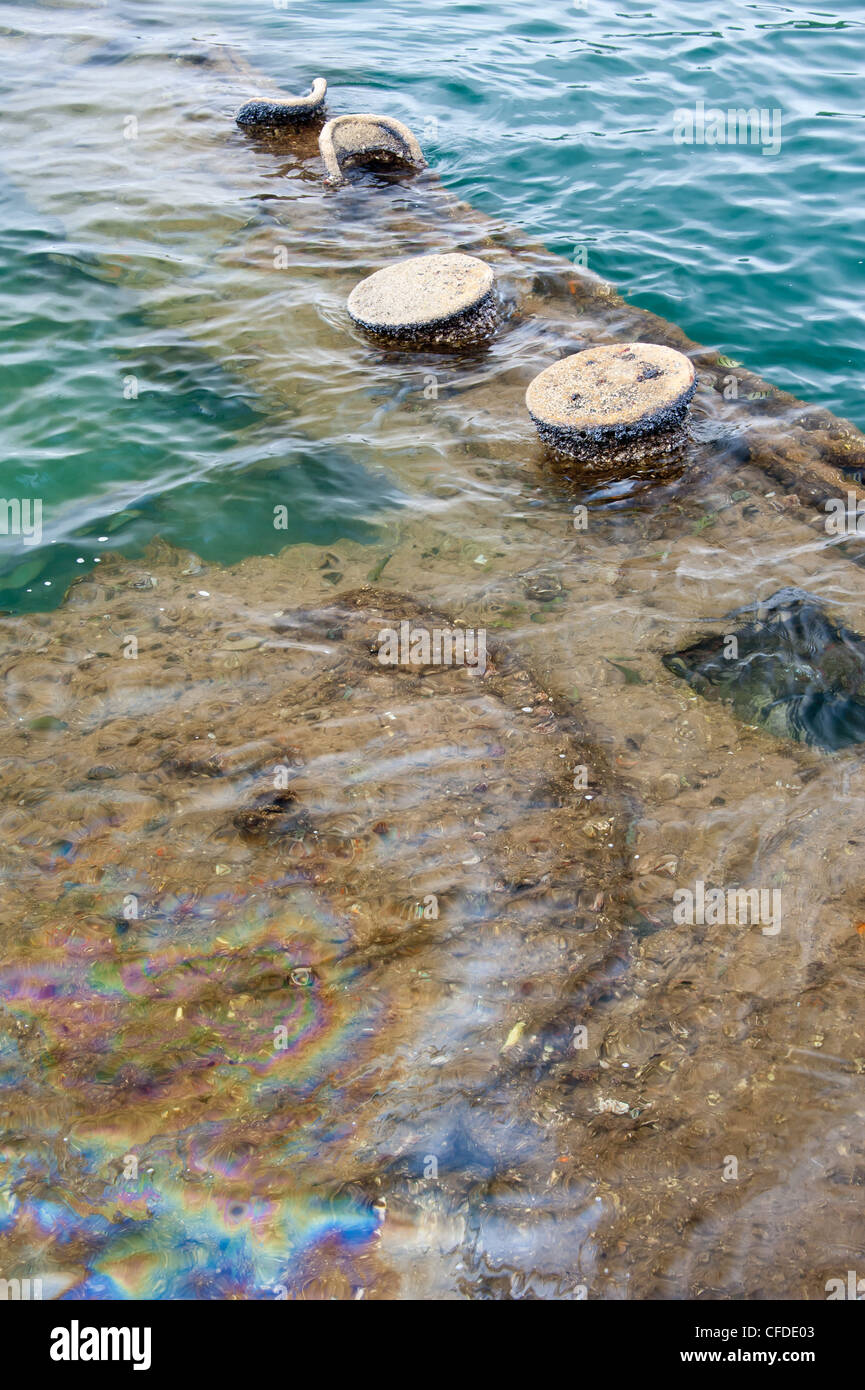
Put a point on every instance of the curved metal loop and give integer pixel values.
(284, 110)
(366, 138)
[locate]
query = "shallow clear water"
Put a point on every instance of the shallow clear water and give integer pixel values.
(327, 979)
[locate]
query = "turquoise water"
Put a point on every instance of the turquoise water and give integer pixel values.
(127, 434)
(559, 119)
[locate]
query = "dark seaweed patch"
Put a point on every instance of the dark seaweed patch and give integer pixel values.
(790, 669)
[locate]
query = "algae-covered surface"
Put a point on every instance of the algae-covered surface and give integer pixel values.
(324, 977)
(292, 934)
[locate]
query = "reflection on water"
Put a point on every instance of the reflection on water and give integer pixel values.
(325, 978)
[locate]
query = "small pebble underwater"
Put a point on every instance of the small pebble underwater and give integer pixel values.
(433, 652)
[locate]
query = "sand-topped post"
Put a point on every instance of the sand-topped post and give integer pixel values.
(444, 300)
(631, 398)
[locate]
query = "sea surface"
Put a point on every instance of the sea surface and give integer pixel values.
(558, 118)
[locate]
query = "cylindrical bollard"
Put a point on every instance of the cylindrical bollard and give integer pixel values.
(441, 300)
(630, 397)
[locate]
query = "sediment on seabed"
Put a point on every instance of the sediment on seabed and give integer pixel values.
(282, 938)
(430, 1120)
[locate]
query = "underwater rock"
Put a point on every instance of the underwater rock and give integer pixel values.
(103, 772)
(445, 298)
(286, 110)
(275, 813)
(367, 139)
(791, 670)
(607, 395)
(543, 588)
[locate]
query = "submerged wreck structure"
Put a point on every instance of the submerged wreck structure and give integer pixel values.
(330, 979)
